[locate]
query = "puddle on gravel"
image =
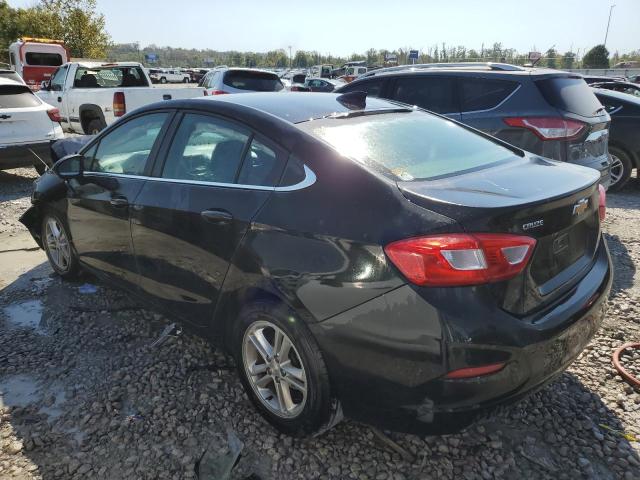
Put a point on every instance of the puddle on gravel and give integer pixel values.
(18, 391)
(25, 315)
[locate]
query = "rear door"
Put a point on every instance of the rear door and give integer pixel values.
(479, 100)
(431, 92)
(99, 202)
(189, 219)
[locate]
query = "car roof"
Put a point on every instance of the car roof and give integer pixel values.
(291, 107)
(8, 81)
(626, 97)
(470, 68)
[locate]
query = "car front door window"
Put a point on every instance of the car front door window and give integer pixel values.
(126, 149)
(57, 80)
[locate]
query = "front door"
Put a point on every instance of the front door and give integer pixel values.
(188, 222)
(99, 201)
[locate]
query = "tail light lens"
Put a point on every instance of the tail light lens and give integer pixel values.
(548, 128)
(602, 203)
(119, 104)
(471, 372)
(218, 92)
(54, 115)
(461, 259)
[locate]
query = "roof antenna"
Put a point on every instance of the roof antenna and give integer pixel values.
(356, 100)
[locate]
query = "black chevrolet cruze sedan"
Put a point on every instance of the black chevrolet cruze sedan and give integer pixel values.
(356, 256)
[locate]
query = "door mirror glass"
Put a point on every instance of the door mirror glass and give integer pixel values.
(71, 166)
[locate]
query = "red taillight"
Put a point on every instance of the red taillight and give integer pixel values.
(119, 104)
(475, 371)
(218, 92)
(548, 128)
(54, 115)
(461, 259)
(602, 203)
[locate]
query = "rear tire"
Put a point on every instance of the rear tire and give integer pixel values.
(621, 167)
(58, 247)
(186, 80)
(95, 126)
(292, 390)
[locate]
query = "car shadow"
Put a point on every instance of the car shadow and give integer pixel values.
(624, 267)
(15, 185)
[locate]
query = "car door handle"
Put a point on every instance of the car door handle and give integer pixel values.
(216, 216)
(59, 99)
(119, 202)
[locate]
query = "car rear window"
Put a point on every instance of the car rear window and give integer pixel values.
(428, 92)
(373, 88)
(254, 81)
(484, 93)
(11, 75)
(44, 59)
(408, 146)
(570, 94)
(17, 96)
(110, 77)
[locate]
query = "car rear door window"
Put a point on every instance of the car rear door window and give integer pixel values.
(484, 93)
(126, 149)
(373, 88)
(17, 96)
(205, 149)
(430, 92)
(261, 166)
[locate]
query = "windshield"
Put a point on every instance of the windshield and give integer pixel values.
(408, 146)
(253, 80)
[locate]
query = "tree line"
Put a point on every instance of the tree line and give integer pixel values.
(78, 24)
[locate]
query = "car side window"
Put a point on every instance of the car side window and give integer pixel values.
(126, 149)
(205, 149)
(57, 80)
(484, 93)
(373, 88)
(430, 92)
(261, 166)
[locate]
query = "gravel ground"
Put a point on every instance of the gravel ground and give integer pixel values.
(85, 395)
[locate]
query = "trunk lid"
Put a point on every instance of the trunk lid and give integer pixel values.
(555, 203)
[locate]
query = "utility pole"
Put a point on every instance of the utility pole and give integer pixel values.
(608, 23)
(289, 57)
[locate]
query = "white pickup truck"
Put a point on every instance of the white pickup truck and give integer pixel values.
(91, 96)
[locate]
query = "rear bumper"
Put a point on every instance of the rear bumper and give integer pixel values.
(388, 357)
(16, 156)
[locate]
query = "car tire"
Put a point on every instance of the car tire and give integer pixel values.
(186, 80)
(622, 163)
(59, 247)
(312, 411)
(163, 80)
(95, 126)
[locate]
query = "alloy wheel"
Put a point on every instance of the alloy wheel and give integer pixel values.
(58, 244)
(617, 169)
(274, 369)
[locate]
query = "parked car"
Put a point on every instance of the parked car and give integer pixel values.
(317, 85)
(600, 78)
(351, 73)
(634, 78)
(354, 255)
(169, 76)
(624, 87)
(27, 127)
(197, 74)
(240, 80)
(624, 134)
(91, 96)
(546, 112)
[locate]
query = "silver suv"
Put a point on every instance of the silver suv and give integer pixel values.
(240, 80)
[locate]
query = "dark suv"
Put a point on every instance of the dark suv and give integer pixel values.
(546, 112)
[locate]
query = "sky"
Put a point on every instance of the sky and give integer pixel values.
(342, 27)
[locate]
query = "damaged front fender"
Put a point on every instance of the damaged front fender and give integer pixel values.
(32, 219)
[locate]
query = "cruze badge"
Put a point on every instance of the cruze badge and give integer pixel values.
(581, 207)
(530, 225)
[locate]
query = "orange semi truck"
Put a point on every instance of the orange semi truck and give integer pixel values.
(35, 59)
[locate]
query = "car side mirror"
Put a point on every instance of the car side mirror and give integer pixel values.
(71, 166)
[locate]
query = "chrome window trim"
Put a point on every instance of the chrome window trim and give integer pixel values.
(309, 179)
(464, 112)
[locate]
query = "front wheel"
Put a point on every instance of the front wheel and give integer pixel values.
(163, 80)
(621, 167)
(282, 370)
(58, 247)
(185, 80)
